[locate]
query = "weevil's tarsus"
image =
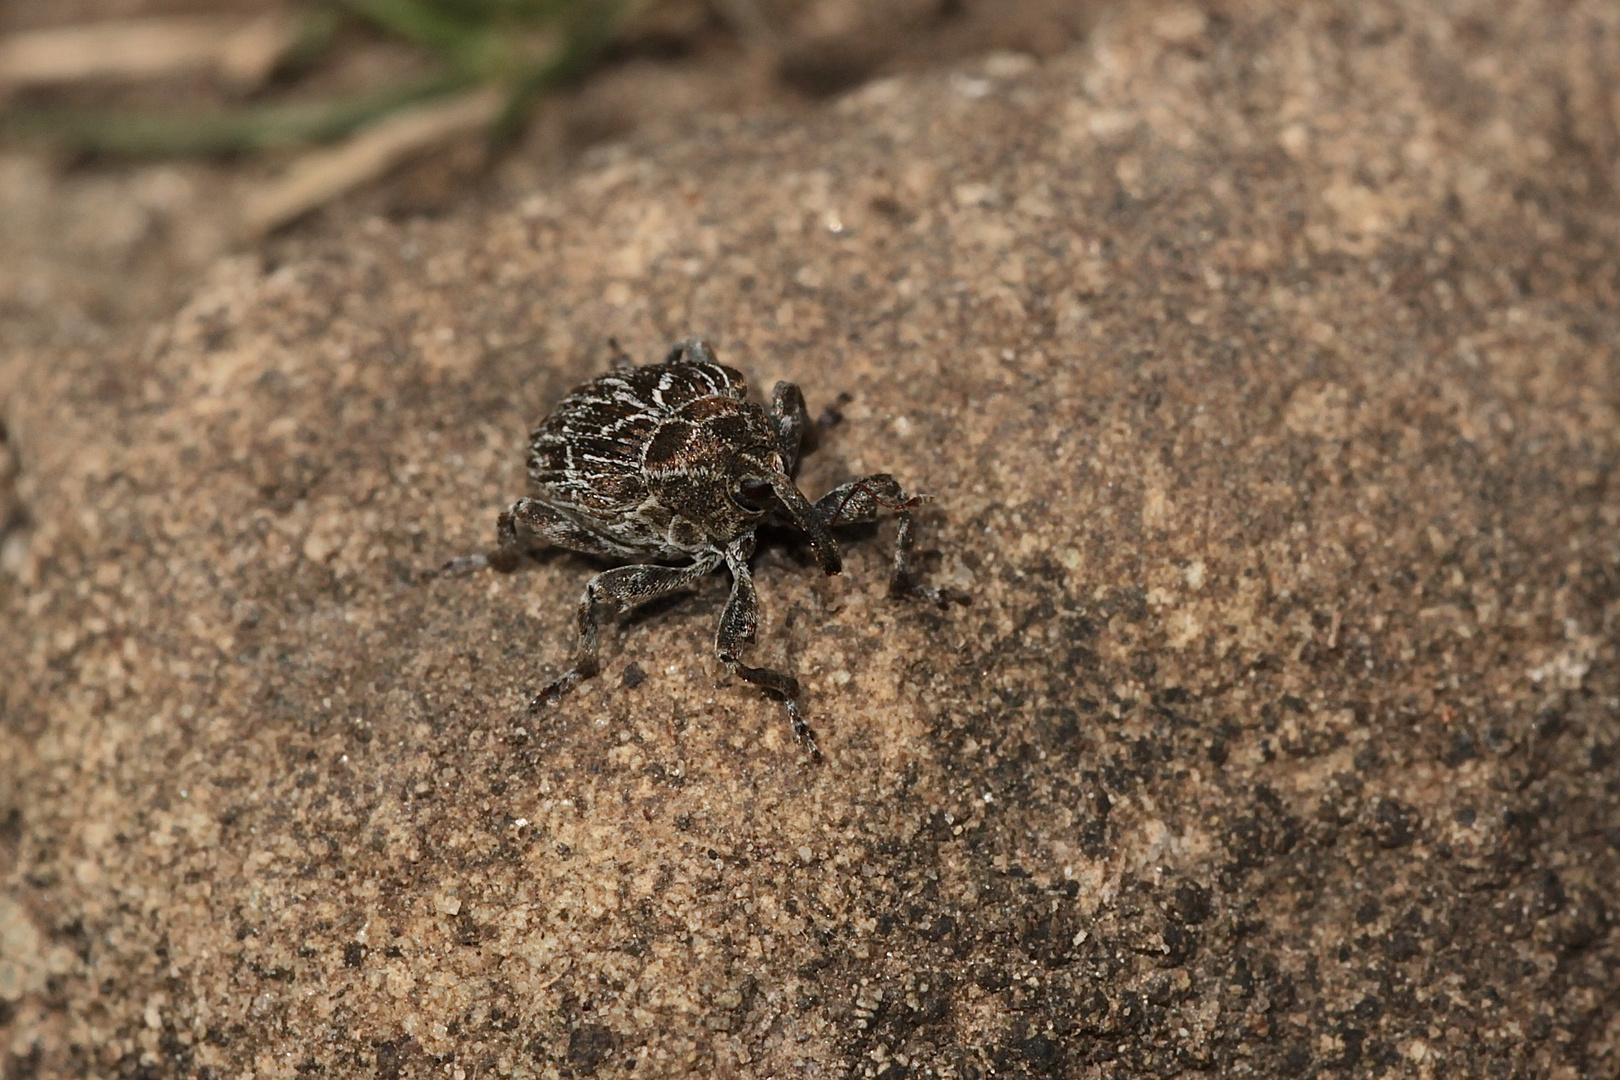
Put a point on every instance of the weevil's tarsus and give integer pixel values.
(619, 589)
(464, 564)
(801, 729)
(863, 500)
(903, 577)
(739, 624)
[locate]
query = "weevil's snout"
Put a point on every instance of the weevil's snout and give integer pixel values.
(759, 480)
(757, 475)
(805, 517)
(831, 561)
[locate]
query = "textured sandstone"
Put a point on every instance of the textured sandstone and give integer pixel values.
(1263, 364)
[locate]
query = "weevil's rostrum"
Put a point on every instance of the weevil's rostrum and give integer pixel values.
(672, 462)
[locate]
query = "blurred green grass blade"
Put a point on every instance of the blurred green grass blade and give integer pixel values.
(317, 30)
(243, 130)
(510, 12)
(429, 25)
(479, 40)
(587, 32)
(501, 42)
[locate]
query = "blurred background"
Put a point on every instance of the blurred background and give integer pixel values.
(141, 139)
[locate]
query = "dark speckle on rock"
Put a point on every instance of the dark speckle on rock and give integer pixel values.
(1191, 903)
(1549, 893)
(1400, 945)
(589, 1046)
(1393, 824)
(634, 676)
(1462, 749)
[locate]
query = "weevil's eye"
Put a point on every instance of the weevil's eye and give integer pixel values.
(752, 493)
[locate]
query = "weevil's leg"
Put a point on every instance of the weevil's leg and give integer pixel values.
(618, 359)
(863, 500)
(620, 589)
(794, 430)
(738, 625)
(690, 350)
(464, 564)
(530, 525)
(791, 420)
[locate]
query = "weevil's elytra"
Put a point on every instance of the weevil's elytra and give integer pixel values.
(672, 462)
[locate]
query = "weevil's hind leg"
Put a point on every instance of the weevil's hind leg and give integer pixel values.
(530, 525)
(791, 420)
(739, 624)
(863, 500)
(618, 359)
(619, 589)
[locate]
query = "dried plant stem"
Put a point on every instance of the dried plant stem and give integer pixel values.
(243, 53)
(323, 175)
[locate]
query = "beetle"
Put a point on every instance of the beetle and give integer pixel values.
(672, 463)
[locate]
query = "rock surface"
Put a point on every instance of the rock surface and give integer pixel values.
(1262, 362)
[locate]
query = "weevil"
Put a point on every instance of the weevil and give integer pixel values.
(671, 467)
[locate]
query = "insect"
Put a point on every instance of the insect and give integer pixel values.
(671, 463)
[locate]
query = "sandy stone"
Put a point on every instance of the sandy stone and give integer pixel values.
(1262, 363)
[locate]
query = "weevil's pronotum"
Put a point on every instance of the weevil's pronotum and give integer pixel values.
(672, 464)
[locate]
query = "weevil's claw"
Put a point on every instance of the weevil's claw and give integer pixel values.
(501, 560)
(801, 730)
(902, 587)
(544, 700)
(585, 667)
(464, 564)
(940, 598)
(778, 686)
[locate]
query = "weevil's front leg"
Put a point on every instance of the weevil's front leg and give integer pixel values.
(739, 624)
(791, 420)
(621, 588)
(863, 500)
(530, 525)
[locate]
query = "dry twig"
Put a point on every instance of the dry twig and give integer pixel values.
(243, 54)
(323, 175)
